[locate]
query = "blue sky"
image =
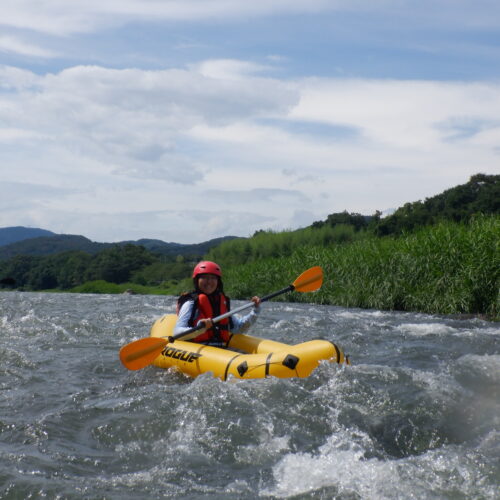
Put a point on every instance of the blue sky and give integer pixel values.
(193, 119)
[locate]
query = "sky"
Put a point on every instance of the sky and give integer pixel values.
(187, 120)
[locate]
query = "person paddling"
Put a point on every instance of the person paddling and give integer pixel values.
(207, 301)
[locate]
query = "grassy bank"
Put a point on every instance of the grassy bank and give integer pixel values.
(449, 268)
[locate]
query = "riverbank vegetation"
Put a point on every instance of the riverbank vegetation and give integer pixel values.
(437, 256)
(448, 268)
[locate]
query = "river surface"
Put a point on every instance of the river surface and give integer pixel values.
(417, 415)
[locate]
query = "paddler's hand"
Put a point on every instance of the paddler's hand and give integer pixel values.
(256, 301)
(207, 324)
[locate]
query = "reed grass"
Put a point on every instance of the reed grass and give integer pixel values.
(269, 244)
(450, 268)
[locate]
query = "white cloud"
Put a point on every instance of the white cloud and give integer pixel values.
(16, 79)
(187, 154)
(19, 197)
(13, 135)
(130, 120)
(16, 45)
(60, 17)
(259, 196)
(168, 168)
(400, 114)
(229, 69)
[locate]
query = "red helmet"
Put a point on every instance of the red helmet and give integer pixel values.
(207, 267)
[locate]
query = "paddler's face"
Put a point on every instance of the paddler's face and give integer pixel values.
(207, 283)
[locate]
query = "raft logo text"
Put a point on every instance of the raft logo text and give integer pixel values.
(187, 356)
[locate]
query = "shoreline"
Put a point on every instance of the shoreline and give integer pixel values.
(131, 292)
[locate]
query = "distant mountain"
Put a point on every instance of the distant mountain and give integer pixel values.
(18, 233)
(158, 246)
(57, 243)
(47, 245)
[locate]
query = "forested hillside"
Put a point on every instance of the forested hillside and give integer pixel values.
(117, 264)
(480, 195)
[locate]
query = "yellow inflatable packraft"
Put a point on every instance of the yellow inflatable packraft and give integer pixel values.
(245, 357)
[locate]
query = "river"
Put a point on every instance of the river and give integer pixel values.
(416, 415)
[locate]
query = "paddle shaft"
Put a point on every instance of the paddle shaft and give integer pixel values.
(289, 288)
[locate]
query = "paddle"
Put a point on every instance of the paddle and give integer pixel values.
(143, 352)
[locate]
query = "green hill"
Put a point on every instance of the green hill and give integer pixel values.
(481, 195)
(47, 245)
(18, 233)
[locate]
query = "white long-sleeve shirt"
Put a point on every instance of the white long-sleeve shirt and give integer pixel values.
(241, 324)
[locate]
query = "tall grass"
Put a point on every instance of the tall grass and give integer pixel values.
(449, 268)
(268, 244)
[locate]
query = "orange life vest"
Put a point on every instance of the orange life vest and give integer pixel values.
(202, 309)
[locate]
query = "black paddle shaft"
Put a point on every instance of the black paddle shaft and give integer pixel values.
(289, 288)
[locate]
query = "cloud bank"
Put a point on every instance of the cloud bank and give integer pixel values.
(221, 143)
